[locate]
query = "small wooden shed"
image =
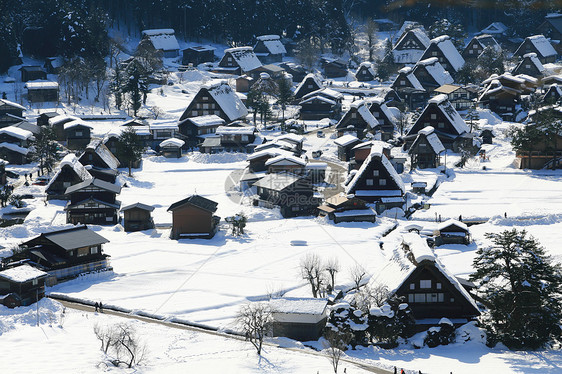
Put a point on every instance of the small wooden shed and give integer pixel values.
(137, 217)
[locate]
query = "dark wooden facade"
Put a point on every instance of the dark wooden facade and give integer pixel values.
(334, 68)
(365, 72)
(21, 292)
(423, 152)
(477, 45)
(137, 217)
(10, 113)
(204, 103)
(530, 65)
(545, 53)
(67, 253)
(77, 136)
(198, 55)
(291, 193)
(31, 73)
(192, 129)
(452, 232)
(309, 84)
(194, 218)
(358, 120)
(98, 155)
(14, 154)
(431, 294)
(93, 202)
(70, 173)
(42, 92)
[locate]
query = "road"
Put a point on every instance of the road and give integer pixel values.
(181, 326)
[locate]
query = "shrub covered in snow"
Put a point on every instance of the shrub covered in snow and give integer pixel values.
(443, 334)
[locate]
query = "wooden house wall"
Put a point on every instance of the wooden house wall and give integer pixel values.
(439, 123)
(6, 120)
(28, 292)
(453, 304)
(316, 110)
(13, 157)
(189, 219)
(364, 75)
(528, 47)
(92, 215)
(90, 157)
(474, 46)
(423, 156)
(376, 164)
(47, 94)
(66, 178)
(197, 57)
(136, 219)
(434, 51)
(94, 192)
(203, 104)
(77, 137)
(299, 331)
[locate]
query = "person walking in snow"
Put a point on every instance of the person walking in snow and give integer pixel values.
(96, 305)
(101, 307)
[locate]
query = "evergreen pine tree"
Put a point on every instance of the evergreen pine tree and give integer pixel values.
(521, 287)
(130, 148)
(45, 149)
(285, 97)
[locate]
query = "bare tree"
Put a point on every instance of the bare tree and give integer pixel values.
(336, 342)
(311, 270)
(357, 274)
(369, 297)
(332, 266)
(255, 319)
(127, 345)
(105, 335)
(371, 29)
(122, 342)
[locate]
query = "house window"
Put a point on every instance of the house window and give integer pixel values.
(412, 286)
(425, 283)
(309, 86)
(295, 208)
(82, 252)
(470, 52)
(375, 173)
(410, 297)
(376, 114)
(369, 182)
(245, 138)
(402, 82)
(434, 53)
(205, 98)
(452, 299)
(441, 125)
(527, 66)
(94, 249)
(34, 282)
(71, 253)
(419, 298)
(353, 115)
(78, 133)
(66, 184)
(438, 286)
(433, 116)
(205, 106)
(426, 124)
(90, 157)
(382, 182)
(217, 113)
(229, 59)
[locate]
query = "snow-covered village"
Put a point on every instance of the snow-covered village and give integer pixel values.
(298, 186)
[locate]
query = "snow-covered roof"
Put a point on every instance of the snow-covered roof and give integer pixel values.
(495, 28)
(346, 140)
(105, 154)
(71, 161)
(76, 123)
(451, 113)
(446, 46)
(244, 57)
(436, 70)
(303, 305)
(41, 85)
(272, 152)
(408, 74)
(486, 40)
(17, 132)
(12, 104)
(277, 181)
(234, 130)
(376, 152)
(369, 66)
(206, 121)
(15, 148)
(273, 44)
(225, 97)
(418, 247)
(534, 60)
(432, 139)
(309, 76)
(310, 99)
(172, 142)
(164, 39)
(291, 137)
(409, 24)
(407, 56)
(285, 159)
(58, 119)
(451, 222)
(542, 45)
(22, 273)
